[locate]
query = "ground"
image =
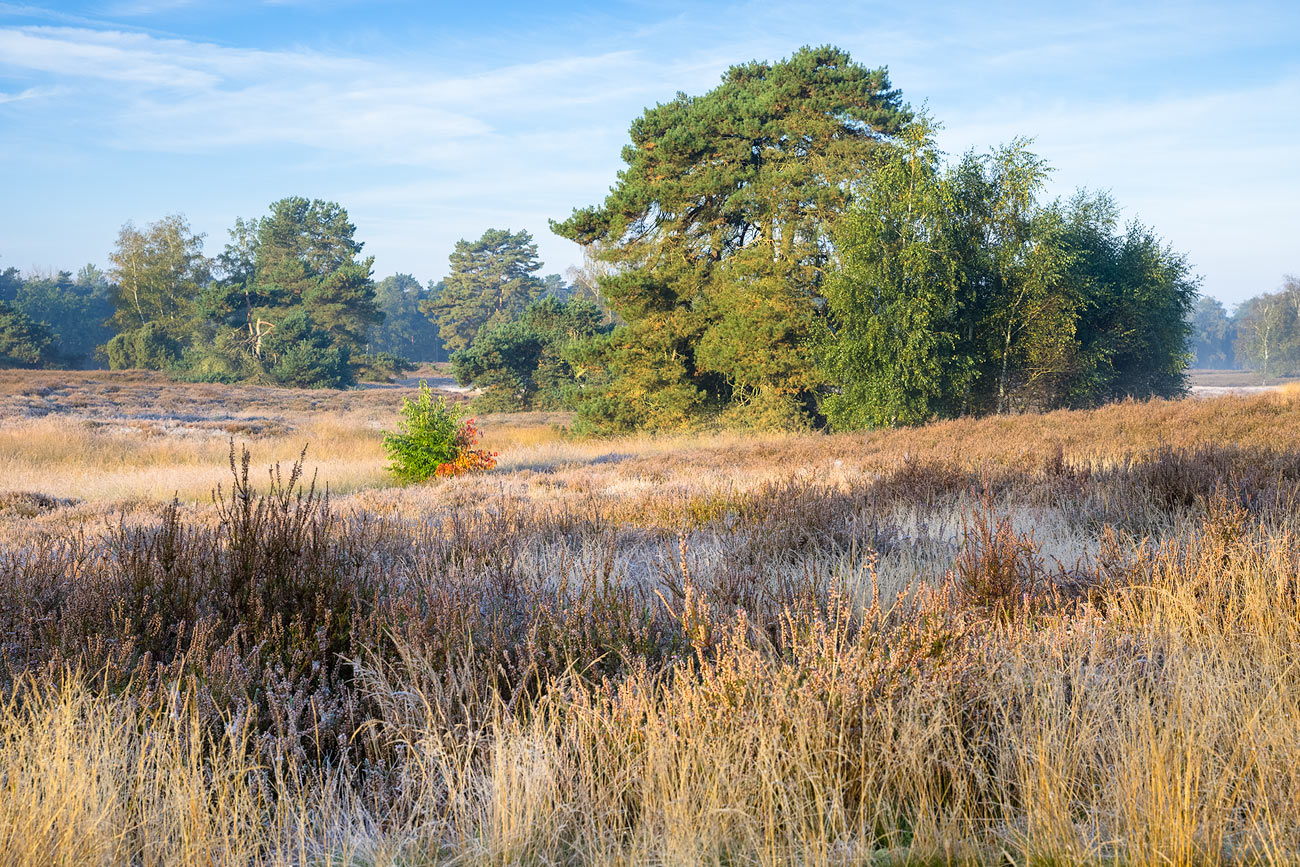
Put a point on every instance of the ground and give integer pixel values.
(1062, 637)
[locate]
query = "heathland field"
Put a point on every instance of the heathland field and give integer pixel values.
(1058, 638)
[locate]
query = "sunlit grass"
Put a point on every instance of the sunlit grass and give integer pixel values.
(709, 648)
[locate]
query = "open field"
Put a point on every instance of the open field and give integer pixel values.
(1217, 383)
(1066, 638)
(1233, 379)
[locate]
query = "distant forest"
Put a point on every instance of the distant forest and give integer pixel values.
(787, 250)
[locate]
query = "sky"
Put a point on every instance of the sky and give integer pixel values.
(434, 121)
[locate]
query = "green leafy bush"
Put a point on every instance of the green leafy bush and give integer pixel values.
(381, 366)
(523, 363)
(149, 347)
(434, 440)
(23, 341)
(301, 354)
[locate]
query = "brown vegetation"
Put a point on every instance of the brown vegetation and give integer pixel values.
(1066, 637)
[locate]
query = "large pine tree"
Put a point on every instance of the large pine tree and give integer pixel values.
(492, 279)
(716, 235)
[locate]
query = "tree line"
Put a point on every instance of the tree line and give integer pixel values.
(289, 301)
(787, 250)
(1262, 334)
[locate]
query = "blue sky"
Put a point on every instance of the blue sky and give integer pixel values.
(434, 121)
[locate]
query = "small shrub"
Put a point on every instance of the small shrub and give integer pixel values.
(434, 441)
(998, 570)
(381, 366)
(148, 347)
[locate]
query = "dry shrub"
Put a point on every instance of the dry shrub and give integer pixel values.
(998, 570)
(845, 658)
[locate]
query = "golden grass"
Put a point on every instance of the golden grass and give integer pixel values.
(75, 460)
(1186, 752)
(813, 698)
(107, 437)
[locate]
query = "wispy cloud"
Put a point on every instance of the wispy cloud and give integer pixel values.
(426, 139)
(29, 93)
(170, 94)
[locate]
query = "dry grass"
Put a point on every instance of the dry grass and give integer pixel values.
(1233, 379)
(111, 437)
(1044, 639)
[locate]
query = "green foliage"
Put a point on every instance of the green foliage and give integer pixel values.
(293, 301)
(159, 273)
(24, 342)
(11, 281)
(301, 354)
(960, 294)
(636, 379)
(1137, 296)
(76, 310)
(523, 363)
(149, 347)
(895, 350)
(405, 331)
(491, 280)
(715, 236)
(381, 366)
(1213, 333)
(426, 437)
(434, 439)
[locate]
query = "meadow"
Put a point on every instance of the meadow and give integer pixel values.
(1057, 638)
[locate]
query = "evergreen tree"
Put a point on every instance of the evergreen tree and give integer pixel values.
(524, 363)
(306, 255)
(10, 282)
(491, 280)
(715, 236)
(301, 354)
(24, 342)
(405, 331)
(76, 310)
(299, 263)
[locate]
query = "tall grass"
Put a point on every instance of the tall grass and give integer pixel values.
(1157, 723)
(906, 647)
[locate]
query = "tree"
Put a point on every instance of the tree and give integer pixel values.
(950, 298)
(1268, 331)
(10, 282)
(1137, 296)
(715, 237)
(158, 273)
(895, 345)
(959, 294)
(1020, 313)
(523, 364)
(491, 280)
(1213, 334)
(24, 342)
(405, 331)
(301, 354)
(307, 251)
(77, 311)
(295, 274)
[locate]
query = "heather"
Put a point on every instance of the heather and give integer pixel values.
(1064, 637)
